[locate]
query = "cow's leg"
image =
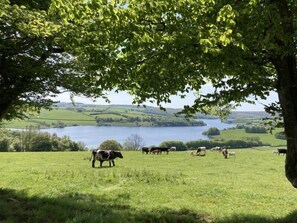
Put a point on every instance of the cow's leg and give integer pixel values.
(93, 163)
(113, 162)
(101, 163)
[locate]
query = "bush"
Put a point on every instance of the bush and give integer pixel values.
(212, 132)
(4, 145)
(110, 145)
(280, 135)
(41, 142)
(255, 129)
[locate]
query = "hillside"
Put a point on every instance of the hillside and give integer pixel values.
(65, 114)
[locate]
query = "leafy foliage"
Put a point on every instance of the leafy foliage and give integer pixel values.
(255, 129)
(212, 131)
(110, 145)
(31, 140)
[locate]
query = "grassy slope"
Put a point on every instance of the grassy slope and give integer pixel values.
(62, 187)
(240, 134)
(88, 116)
(46, 118)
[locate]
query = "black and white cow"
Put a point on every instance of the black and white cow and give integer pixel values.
(105, 155)
(225, 153)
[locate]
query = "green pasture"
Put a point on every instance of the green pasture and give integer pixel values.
(47, 118)
(241, 134)
(178, 187)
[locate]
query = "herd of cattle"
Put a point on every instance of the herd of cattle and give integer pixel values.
(110, 155)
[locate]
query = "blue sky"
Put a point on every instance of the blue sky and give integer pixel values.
(123, 98)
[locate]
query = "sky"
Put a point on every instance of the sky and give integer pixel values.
(123, 98)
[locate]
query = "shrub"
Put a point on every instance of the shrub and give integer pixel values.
(280, 135)
(110, 145)
(255, 129)
(4, 145)
(212, 132)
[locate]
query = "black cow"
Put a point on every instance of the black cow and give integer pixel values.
(105, 155)
(282, 150)
(159, 150)
(145, 150)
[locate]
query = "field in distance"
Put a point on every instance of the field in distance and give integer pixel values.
(62, 187)
(65, 114)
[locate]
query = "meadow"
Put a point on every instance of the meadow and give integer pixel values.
(178, 187)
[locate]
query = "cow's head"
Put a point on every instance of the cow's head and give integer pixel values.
(118, 154)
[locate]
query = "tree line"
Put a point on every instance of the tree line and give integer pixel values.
(33, 141)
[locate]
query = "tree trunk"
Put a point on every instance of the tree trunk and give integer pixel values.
(4, 108)
(285, 64)
(287, 92)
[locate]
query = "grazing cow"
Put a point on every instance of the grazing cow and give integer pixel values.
(217, 148)
(282, 150)
(159, 150)
(105, 155)
(164, 149)
(225, 153)
(145, 150)
(173, 148)
(156, 151)
(201, 149)
(231, 153)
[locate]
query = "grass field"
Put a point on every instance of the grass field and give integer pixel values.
(241, 134)
(62, 187)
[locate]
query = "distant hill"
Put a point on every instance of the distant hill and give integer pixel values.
(67, 114)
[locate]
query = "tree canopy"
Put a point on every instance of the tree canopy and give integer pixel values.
(153, 49)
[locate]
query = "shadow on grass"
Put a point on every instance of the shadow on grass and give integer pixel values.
(17, 206)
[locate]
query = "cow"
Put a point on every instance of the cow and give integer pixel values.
(225, 153)
(173, 148)
(159, 150)
(201, 149)
(282, 150)
(231, 153)
(145, 150)
(105, 155)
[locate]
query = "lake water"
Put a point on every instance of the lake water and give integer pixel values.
(93, 136)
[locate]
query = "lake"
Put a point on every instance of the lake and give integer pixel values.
(93, 136)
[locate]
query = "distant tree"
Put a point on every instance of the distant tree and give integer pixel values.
(212, 131)
(41, 142)
(280, 135)
(110, 145)
(133, 142)
(255, 129)
(4, 145)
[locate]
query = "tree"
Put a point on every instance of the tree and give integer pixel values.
(212, 132)
(110, 145)
(41, 142)
(134, 142)
(36, 58)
